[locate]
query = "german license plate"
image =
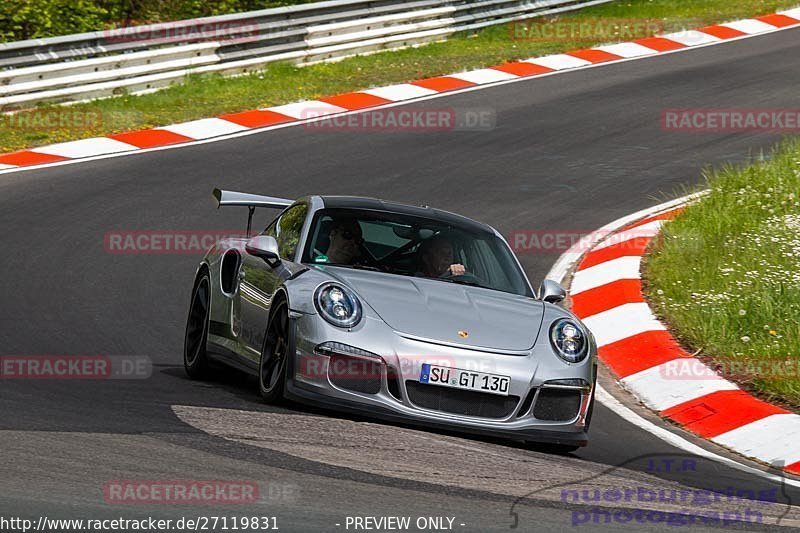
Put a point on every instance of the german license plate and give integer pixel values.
(458, 378)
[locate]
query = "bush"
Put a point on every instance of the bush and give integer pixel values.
(31, 19)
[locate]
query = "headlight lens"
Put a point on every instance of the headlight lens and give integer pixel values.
(569, 340)
(338, 305)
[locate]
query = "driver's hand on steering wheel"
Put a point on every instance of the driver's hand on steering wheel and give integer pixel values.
(456, 270)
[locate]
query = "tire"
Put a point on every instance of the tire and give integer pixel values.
(279, 342)
(195, 357)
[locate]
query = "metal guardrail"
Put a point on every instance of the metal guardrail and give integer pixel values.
(143, 58)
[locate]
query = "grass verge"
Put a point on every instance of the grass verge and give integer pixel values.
(725, 274)
(208, 96)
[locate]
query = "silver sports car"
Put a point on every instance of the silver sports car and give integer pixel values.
(406, 313)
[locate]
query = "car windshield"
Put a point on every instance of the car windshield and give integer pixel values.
(407, 245)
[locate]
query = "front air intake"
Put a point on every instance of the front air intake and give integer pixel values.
(557, 405)
(460, 402)
(355, 374)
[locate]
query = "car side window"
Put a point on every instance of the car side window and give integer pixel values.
(286, 230)
(271, 229)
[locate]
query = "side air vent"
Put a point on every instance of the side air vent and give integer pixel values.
(229, 271)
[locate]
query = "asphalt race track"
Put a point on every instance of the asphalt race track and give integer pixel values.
(569, 152)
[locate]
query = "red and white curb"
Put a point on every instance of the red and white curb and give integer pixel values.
(606, 292)
(300, 112)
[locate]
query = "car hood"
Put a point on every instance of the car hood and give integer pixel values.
(438, 310)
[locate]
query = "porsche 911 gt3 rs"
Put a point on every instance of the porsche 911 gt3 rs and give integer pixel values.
(405, 313)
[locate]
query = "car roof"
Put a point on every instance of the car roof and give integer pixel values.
(374, 204)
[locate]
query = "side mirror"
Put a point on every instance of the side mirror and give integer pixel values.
(552, 292)
(266, 248)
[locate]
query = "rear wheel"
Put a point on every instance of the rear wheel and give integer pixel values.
(275, 352)
(195, 358)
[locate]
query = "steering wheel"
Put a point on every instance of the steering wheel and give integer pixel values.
(467, 277)
(370, 259)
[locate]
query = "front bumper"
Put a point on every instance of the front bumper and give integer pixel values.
(396, 394)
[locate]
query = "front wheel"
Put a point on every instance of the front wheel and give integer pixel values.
(275, 352)
(195, 358)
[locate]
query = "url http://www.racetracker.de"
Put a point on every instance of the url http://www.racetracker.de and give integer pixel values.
(44, 524)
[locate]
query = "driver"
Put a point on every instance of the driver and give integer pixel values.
(345, 241)
(437, 258)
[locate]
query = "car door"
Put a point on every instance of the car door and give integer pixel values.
(258, 281)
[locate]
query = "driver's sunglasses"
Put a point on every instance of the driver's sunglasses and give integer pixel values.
(350, 236)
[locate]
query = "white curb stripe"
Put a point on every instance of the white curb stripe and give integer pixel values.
(771, 439)
(673, 439)
(648, 230)
(640, 388)
(397, 95)
(567, 260)
(691, 37)
(484, 75)
(627, 50)
(656, 389)
(204, 128)
(403, 91)
(307, 109)
(558, 61)
(622, 322)
(85, 148)
(749, 26)
(621, 268)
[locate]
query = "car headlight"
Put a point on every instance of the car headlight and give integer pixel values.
(569, 340)
(338, 305)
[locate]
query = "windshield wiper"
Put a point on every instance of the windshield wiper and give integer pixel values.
(366, 267)
(470, 283)
(462, 282)
(355, 267)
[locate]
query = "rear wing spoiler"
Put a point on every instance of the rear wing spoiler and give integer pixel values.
(250, 201)
(243, 199)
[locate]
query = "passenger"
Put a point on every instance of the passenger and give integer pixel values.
(346, 239)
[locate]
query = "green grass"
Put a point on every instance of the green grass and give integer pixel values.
(726, 274)
(277, 84)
